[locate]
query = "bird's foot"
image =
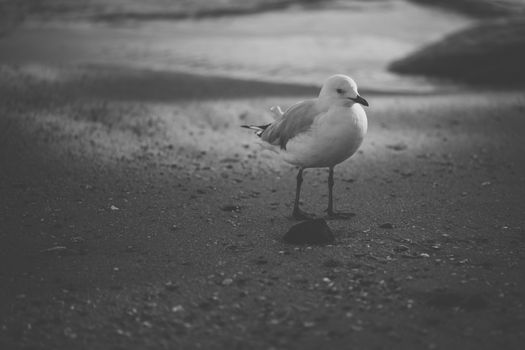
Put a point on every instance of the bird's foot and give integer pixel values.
(298, 214)
(339, 214)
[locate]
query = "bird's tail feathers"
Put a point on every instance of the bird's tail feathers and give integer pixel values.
(258, 128)
(277, 112)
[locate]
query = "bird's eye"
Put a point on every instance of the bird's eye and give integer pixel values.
(340, 91)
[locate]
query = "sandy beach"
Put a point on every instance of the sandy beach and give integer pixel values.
(137, 214)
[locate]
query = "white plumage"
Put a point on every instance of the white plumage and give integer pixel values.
(320, 132)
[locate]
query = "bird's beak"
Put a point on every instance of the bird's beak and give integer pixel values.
(360, 100)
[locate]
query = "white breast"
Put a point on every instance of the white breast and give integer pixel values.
(334, 137)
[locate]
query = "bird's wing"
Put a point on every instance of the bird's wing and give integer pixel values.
(297, 119)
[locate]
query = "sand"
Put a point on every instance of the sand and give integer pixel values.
(114, 233)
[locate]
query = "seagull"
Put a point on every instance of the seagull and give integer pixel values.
(318, 133)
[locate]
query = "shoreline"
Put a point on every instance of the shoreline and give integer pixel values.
(132, 83)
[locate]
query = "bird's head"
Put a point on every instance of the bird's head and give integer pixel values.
(341, 89)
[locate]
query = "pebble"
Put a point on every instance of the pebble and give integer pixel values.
(314, 231)
(398, 146)
(231, 207)
(401, 248)
(177, 308)
(171, 286)
(227, 281)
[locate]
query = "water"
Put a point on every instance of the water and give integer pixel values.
(295, 45)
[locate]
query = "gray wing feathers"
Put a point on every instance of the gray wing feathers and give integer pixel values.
(297, 119)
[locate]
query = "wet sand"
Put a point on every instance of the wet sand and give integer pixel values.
(117, 230)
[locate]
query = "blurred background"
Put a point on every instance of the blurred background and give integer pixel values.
(89, 55)
(301, 41)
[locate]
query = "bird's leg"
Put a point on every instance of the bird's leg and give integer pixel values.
(330, 209)
(331, 212)
(297, 212)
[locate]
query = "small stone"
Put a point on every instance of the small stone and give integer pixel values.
(227, 281)
(177, 308)
(231, 207)
(401, 248)
(314, 231)
(386, 225)
(398, 146)
(113, 207)
(123, 333)
(171, 286)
